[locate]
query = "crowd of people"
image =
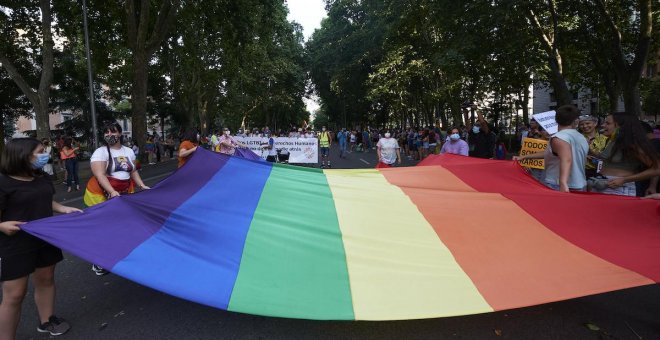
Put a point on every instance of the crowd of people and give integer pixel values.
(619, 156)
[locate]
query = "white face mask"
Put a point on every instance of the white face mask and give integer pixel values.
(387, 135)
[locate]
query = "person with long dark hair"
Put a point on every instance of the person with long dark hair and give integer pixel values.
(69, 155)
(628, 156)
(187, 147)
(26, 195)
(114, 170)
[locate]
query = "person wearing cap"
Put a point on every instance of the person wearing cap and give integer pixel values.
(588, 126)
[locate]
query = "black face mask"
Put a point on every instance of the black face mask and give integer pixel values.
(111, 139)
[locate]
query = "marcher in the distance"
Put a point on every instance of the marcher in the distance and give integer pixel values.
(455, 145)
(388, 151)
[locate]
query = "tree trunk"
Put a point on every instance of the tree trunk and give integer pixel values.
(443, 115)
(632, 99)
(558, 82)
(628, 74)
(2, 132)
(457, 115)
(41, 114)
(139, 100)
(144, 37)
(40, 98)
(549, 44)
(202, 117)
(525, 105)
(613, 99)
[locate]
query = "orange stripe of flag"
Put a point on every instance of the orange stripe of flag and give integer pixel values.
(511, 257)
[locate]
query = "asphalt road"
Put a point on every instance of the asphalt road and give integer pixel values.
(111, 307)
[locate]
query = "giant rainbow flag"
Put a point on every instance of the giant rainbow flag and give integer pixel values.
(453, 236)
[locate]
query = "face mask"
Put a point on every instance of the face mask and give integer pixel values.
(323, 129)
(476, 129)
(227, 133)
(387, 135)
(454, 136)
(41, 161)
(111, 139)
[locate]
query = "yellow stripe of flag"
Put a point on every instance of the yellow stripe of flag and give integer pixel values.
(396, 272)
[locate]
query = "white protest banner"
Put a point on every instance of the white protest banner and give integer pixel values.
(301, 150)
(547, 121)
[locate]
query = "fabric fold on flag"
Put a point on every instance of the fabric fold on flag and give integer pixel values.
(453, 236)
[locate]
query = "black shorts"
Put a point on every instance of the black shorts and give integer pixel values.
(16, 266)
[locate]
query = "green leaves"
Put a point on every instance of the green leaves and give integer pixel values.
(418, 61)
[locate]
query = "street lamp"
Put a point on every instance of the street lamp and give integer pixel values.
(95, 133)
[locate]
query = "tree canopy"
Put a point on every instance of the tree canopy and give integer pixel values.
(213, 64)
(417, 63)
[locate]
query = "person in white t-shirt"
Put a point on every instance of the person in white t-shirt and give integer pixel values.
(352, 138)
(114, 170)
(272, 152)
(388, 151)
(48, 168)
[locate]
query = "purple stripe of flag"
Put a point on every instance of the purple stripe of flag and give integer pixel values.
(135, 218)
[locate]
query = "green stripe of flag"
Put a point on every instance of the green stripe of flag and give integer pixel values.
(294, 267)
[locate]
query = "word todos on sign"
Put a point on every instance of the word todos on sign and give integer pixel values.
(532, 146)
